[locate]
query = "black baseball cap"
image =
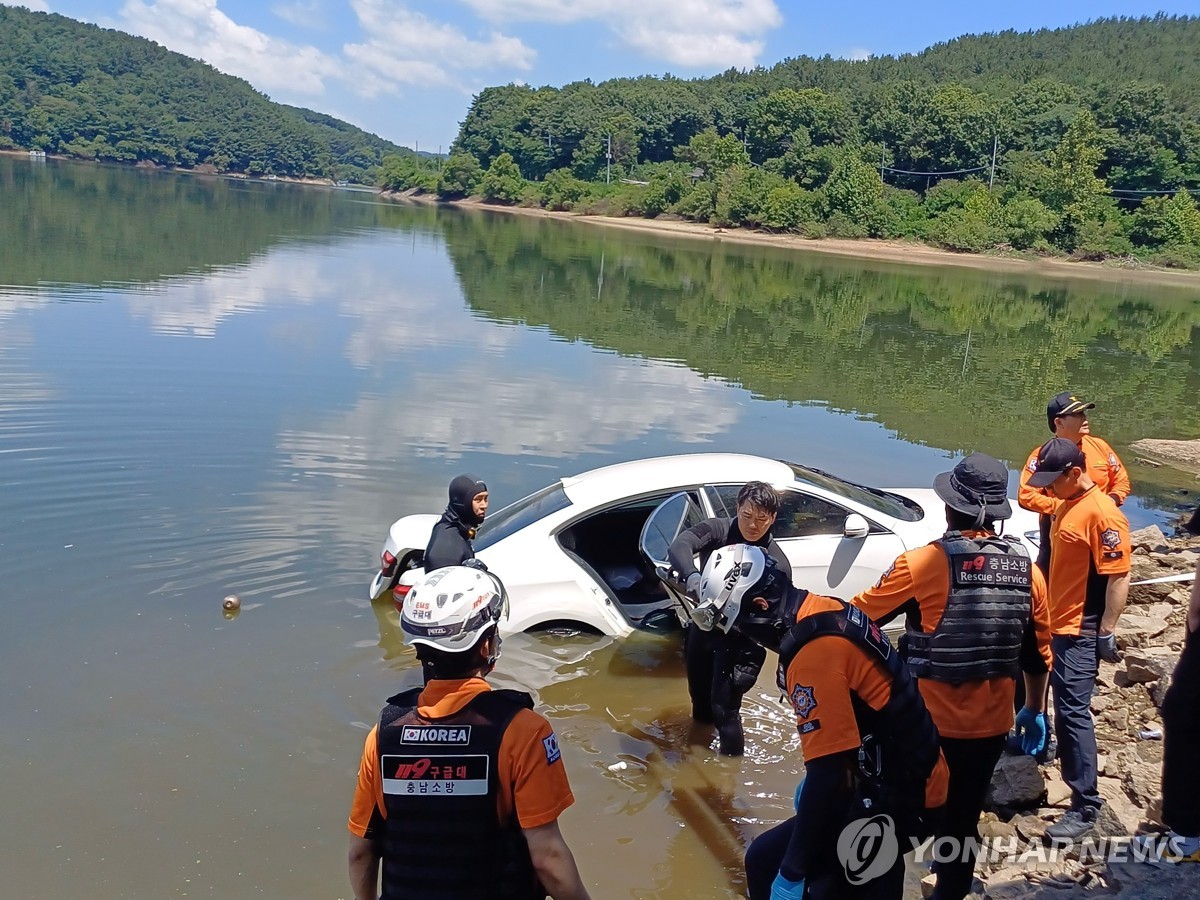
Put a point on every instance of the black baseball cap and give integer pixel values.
(1056, 456)
(1065, 404)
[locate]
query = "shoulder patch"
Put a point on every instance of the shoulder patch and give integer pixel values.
(804, 700)
(1111, 538)
(886, 572)
(1114, 463)
(550, 745)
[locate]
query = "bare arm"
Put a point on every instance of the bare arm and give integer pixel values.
(1193, 616)
(1114, 602)
(364, 868)
(1035, 691)
(553, 862)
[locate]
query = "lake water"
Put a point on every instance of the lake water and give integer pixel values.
(212, 386)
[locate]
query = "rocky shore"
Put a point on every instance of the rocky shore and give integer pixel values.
(1025, 798)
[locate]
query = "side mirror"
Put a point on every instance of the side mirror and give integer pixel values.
(856, 526)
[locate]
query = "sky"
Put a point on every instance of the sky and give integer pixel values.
(408, 69)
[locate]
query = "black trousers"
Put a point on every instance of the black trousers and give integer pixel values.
(1073, 678)
(766, 852)
(1181, 743)
(971, 762)
(721, 668)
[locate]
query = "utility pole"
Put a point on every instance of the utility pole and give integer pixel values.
(882, 160)
(995, 145)
(608, 159)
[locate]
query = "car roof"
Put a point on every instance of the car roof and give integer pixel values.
(646, 476)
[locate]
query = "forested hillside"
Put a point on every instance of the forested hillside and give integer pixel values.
(73, 88)
(1095, 132)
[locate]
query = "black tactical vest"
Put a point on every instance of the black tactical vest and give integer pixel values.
(979, 635)
(442, 838)
(900, 744)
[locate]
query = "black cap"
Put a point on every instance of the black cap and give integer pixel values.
(977, 486)
(1057, 455)
(1065, 404)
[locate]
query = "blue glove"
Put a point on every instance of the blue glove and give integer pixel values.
(1031, 729)
(782, 889)
(796, 799)
(1106, 648)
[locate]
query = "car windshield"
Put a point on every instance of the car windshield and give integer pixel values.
(881, 501)
(517, 515)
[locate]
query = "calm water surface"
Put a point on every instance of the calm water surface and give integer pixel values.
(212, 386)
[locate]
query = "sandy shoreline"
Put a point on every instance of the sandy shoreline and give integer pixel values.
(881, 250)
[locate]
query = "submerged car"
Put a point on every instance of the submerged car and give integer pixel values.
(578, 553)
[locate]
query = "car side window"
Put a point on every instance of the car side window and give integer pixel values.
(723, 498)
(803, 515)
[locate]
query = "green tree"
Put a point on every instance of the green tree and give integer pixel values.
(1075, 192)
(502, 182)
(460, 175)
(714, 154)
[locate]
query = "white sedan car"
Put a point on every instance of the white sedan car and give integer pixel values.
(570, 554)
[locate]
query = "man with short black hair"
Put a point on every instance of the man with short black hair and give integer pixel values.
(1089, 584)
(721, 667)
(460, 786)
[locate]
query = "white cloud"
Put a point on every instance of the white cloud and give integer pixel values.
(858, 54)
(406, 47)
(198, 28)
(693, 33)
(303, 13)
(34, 5)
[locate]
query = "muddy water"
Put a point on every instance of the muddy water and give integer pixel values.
(211, 386)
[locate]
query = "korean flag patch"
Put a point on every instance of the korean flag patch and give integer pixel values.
(550, 745)
(804, 701)
(1111, 539)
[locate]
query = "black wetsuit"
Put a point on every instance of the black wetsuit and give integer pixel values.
(721, 667)
(450, 542)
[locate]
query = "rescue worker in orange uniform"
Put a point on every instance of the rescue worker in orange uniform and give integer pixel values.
(1089, 584)
(871, 757)
(977, 617)
(460, 787)
(1067, 417)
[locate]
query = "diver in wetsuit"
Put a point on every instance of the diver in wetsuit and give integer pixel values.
(450, 542)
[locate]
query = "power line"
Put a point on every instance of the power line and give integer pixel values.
(951, 172)
(1161, 191)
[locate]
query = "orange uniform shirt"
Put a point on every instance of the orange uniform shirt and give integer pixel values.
(1103, 467)
(821, 679)
(921, 578)
(1089, 540)
(534, 789)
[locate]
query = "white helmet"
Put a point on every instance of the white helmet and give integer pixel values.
(451, 608)
(732, 577)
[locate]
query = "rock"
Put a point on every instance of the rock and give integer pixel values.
(1143, 627)
(1017, 783)
(1151, 539)
(1057, 792)
(1031, 828)
(1112, 819)
(928, 883)
(997, 829)
(1147, 664)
